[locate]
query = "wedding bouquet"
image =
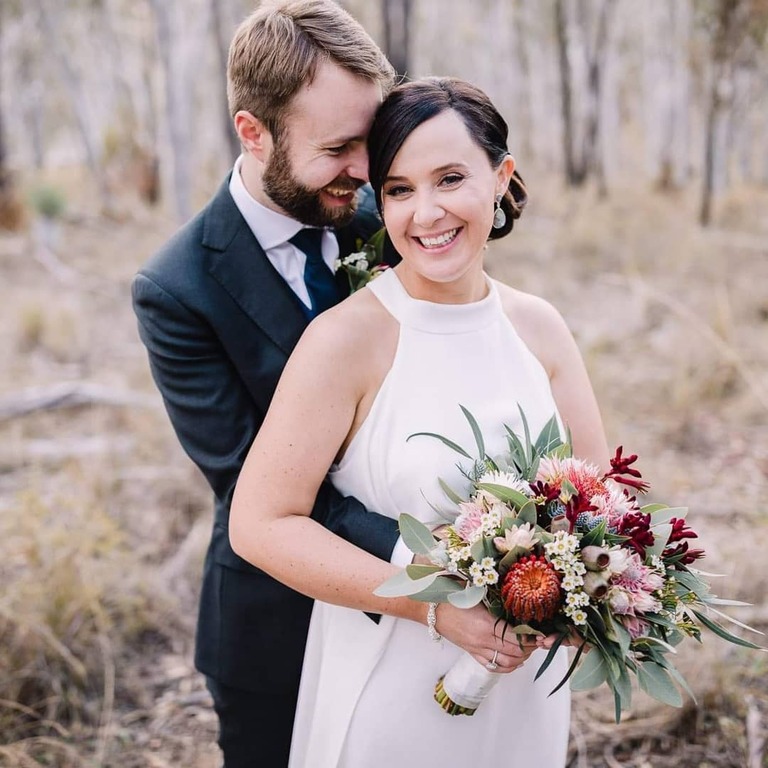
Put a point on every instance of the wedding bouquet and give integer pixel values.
(552, 545)
(366, 263)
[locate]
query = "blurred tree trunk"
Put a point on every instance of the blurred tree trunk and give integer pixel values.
(574, 167)
(666, 107)
(51, 16)
(728, 17)
(223, 30)
(177, 93)
(397, 17)
(10, 207)
(586, 33)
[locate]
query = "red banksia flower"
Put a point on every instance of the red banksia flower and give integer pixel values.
(531, 590)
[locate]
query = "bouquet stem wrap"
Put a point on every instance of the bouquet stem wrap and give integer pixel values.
(465, 686)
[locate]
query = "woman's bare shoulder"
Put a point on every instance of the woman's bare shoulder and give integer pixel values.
(347, 345)
(538, 323)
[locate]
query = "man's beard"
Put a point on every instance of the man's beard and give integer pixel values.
(301, 202)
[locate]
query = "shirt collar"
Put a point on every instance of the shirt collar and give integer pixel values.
(271, 228)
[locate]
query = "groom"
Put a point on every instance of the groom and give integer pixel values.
(221, 307)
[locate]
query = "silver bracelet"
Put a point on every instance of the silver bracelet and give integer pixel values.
(434, 635)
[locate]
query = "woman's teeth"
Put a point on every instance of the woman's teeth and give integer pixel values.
(434, 242)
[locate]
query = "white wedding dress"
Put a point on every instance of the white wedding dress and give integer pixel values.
(366, 697)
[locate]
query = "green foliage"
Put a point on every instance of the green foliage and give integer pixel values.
(49, 202)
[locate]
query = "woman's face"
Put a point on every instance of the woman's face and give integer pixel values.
(438, 202)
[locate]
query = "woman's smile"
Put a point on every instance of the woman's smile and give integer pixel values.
(440, 241)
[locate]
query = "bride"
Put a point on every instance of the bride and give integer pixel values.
(396, 358)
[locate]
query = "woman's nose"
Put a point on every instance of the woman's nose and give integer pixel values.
(427, 210)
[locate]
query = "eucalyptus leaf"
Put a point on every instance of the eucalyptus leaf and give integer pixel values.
(505, 494)
(377, 240)
(478, 435)
(692, 584)
(449, 492)
(512, 557)
(517, 452)
(417, 537)
(665, 514)
(439, 590)
(527, 433)
(401, 585)
(595, 536)
(419, 571)
(623, 687)
(549, 438)
(724, 633)
(469, 597)
(711, 600)
(679, 678)
(453, 446)
(657, 683)
(524, 629)
(527, 513)
(661, 534)
(623, 637)
(568, 488)
(481, 548)
(550, 655)
(592, 672)
(571, 669)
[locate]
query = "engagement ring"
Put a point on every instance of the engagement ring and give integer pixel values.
(492, 663)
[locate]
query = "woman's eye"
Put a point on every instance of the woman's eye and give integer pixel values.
(451, 179)
(396, 191)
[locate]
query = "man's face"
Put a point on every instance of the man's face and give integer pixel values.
(320, 159)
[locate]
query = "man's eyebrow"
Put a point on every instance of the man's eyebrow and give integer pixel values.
(340, 141)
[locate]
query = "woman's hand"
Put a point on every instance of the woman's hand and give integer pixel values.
(479, 634)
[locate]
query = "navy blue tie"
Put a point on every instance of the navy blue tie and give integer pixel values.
(320, 282)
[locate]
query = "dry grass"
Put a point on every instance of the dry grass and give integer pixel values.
(104, 522)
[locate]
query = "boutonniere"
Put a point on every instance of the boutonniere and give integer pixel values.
(366, 263)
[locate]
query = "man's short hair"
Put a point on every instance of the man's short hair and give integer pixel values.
(276, 50)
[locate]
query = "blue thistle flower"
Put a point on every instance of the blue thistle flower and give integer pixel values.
(555, 509)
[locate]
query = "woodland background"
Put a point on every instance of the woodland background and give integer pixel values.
(640, 129)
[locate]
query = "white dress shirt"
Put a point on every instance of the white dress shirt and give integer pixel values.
(273, 230)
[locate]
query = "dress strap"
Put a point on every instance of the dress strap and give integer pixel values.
(429, 317)
(390, 292)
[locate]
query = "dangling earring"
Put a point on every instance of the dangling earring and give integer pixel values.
(499, 217)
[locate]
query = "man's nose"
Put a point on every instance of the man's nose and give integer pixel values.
(358, 163)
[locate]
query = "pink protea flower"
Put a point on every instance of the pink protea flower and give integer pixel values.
(469, 521)
(632, 589)
(614, 504)
(635, 626)
(584, 477)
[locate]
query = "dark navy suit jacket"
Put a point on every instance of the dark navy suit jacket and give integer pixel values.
(219, 324)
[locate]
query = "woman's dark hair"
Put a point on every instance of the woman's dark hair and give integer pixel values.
(411, 104)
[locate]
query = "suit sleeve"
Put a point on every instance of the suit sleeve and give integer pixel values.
(216, 417)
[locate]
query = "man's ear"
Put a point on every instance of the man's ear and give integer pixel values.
(254, 136)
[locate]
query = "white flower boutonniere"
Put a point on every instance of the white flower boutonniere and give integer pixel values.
(366, 263)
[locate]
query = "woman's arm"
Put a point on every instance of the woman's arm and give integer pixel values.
(316, 404)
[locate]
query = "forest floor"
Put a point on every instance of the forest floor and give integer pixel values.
(103, 521)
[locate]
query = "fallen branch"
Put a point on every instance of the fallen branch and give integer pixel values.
(74, 394)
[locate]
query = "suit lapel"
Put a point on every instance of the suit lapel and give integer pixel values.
(242, 268)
